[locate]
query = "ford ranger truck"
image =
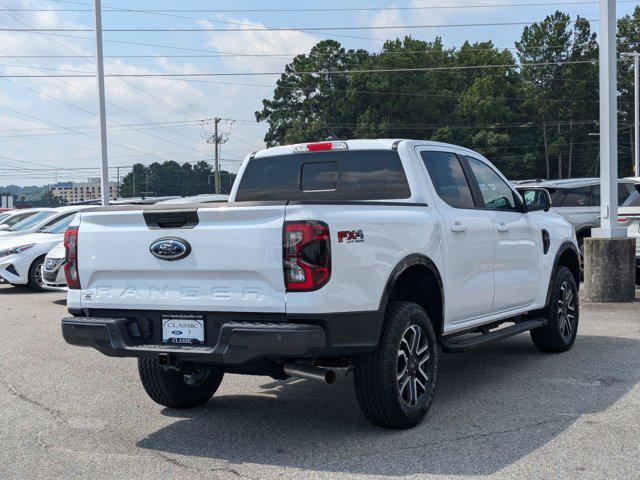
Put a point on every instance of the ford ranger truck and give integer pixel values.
(375, 255)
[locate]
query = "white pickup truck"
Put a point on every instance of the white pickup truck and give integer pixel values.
(370, 254)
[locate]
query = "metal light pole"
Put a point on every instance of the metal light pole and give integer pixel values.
(608, 126)
(609, 256)
(104, 177)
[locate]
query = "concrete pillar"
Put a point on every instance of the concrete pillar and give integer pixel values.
(609, 269)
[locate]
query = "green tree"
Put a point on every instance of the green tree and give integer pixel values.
(48, 199)
(171, 178)
(561, 94)
(628, 41)
(312, 106)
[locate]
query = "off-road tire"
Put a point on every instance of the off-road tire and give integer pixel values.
(168, 388)
(33, 274)
(376, 374)
(552, 337)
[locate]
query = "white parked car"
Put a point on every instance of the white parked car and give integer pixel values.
(14, 217)
(39, 220)
(629, 216)
(374, 254)
(22, 257)
(52, 268)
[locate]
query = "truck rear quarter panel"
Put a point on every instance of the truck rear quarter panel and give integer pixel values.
(362, 265)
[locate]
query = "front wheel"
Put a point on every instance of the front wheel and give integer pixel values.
(35, 280)
(178, 388)
(395, 384)
(562, 313)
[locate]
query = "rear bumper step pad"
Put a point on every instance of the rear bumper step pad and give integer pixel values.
(237, 343)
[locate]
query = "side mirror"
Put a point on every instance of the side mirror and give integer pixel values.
(535, 199)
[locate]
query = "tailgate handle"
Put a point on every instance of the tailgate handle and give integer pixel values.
(181, 219)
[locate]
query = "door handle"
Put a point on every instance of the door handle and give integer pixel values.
(503, 227)
(458, 228)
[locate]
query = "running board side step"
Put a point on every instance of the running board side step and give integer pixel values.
(451, 346)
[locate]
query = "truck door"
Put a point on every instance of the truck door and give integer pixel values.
(469, 246)
(518, 240)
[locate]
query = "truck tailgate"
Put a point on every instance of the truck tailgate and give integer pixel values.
(235, 262)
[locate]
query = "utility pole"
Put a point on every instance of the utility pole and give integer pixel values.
(118, 184)
(217, 158)
(217, 139)
(636, 105)
(104, 177)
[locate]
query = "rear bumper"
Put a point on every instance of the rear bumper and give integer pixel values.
(229, 340)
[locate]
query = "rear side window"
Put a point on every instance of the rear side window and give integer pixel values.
(578, 197)
(330, 176)
(624, 190)
(448, 178)
(633, 200)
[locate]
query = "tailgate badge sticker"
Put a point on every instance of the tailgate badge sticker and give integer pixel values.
(170, 248)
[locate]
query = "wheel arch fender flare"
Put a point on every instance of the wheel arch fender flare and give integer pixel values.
(564, 247)
(404, 264)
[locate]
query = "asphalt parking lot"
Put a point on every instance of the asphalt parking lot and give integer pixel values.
(505, 411)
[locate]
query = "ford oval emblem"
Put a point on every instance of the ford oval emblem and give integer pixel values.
(177, 332)
(170, 248)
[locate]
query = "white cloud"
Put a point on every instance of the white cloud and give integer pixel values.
(257, 43)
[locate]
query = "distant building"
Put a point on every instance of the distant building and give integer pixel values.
(73, 192)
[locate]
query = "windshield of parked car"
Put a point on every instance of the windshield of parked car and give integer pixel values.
(31, 221)
(3, 216)
(633, 200)
(58, 226)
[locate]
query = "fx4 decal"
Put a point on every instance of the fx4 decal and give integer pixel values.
(351, 236)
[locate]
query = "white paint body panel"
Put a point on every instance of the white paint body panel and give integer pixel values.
(21, 262)
(236, 258)
(235, 263)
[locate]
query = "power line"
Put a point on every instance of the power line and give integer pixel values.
(318, 72)
(286, 29)
(93, 95)
(108, 9)
(406, 94)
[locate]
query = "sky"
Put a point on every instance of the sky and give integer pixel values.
(48, 126)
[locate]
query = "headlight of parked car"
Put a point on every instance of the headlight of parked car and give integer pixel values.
(12, 251)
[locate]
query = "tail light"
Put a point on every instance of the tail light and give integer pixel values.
(306, 255)
(71, 258)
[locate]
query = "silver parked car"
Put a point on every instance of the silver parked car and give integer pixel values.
(578, 201)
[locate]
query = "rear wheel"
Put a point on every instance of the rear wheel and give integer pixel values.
(562, 314)
(178, 388)
(395, 384)
(35, 274)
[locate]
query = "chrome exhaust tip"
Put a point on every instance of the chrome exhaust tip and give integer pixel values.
(309, 372)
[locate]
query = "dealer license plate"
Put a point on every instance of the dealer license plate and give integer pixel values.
(183, 329)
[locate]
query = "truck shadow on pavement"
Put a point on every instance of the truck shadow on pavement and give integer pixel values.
(493, 407)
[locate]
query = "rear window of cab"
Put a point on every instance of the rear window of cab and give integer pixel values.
(331, 176)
